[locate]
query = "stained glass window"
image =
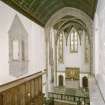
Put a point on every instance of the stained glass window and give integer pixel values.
(86, 49)
(60, 48)
(73, 40)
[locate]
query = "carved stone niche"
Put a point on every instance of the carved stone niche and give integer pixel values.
(18, 48)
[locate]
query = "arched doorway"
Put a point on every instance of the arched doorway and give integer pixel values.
(61, 80)
(85, 82)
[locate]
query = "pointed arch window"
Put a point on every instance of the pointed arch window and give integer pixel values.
(86, 49)
(60, 48)
(73, 41)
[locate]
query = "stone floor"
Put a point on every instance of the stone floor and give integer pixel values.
(71, 91)
(94, 92)
(95, 95)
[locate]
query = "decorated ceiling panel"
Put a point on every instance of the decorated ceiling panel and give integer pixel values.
(41, 10)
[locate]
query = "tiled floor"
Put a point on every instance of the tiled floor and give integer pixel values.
(95, 95)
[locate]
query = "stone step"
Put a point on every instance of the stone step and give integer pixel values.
(65, 102)
(59, 89)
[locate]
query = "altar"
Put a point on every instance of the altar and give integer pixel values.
(72, 78)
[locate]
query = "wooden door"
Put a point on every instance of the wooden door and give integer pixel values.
(85, 82)
(60, 80)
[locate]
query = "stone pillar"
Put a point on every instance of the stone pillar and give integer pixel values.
(91, 54)
(55, 59)
(55, 66)
(46, 88)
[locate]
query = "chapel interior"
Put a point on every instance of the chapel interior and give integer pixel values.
(52, 52)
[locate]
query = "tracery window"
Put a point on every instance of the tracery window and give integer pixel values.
(86, 49)
(73, 40)
(60, 48)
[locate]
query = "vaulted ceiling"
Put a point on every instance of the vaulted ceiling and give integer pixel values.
(41, 10)
(66, 23)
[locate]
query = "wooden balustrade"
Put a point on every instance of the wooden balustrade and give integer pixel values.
(25, 91)
(69, 98)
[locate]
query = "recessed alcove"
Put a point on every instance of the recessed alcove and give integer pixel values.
(18, 48)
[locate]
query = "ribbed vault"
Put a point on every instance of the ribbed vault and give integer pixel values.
(66, 23)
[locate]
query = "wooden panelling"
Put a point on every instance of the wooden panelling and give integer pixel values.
(40, 86)
(32, 84)
(36, 85)
(1, 99)
(27, 93)
(40, 11)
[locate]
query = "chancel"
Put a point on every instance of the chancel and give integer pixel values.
(52, 52)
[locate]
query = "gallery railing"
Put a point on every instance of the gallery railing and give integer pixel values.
(70, 98)
(24, 91)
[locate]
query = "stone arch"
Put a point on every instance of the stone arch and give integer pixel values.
(49, 25)
(97, 37)
(72, 12)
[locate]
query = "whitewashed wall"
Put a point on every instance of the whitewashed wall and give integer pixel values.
(75, 59)
(36, 43)
(99, 23)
